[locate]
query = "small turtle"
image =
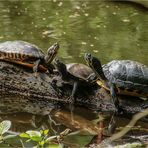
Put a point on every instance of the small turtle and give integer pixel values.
(128, 77)
(28, 55)
(74, 73)
(79, 70)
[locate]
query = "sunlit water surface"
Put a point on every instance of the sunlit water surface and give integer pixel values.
(108, 30)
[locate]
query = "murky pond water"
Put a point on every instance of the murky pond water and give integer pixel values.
(108, 30)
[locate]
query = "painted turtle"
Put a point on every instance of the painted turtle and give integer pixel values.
(128, 77)
(74, 73)
(27, 54)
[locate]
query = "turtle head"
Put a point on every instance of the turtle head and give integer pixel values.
(51, 53)
(95, 64)
(61, 67)
(91, 61)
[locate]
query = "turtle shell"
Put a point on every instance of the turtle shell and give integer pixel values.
(20, 51)
(128, 75)
(79, 70)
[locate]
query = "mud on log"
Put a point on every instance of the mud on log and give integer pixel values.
(21, 90)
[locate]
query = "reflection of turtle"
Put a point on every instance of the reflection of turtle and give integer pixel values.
(28, 55)
(128, 77)
(74, 73)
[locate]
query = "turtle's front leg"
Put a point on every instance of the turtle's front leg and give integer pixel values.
(74, 91)
(36, 66)
(114, 96)
(92, 78)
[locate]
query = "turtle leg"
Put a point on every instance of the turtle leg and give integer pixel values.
(36, 66)
(73, 95)
(91, 78)
(112, 124)
(114, 96)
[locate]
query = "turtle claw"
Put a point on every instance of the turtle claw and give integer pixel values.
(36, 66)
(35, 69)
(35, 74)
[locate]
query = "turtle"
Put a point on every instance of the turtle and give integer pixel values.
(124, 77)
(99, 77)
(28, 55)
(74, 73)
(79, 70)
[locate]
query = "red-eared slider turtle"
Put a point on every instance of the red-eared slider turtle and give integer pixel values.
(74, 73)
(129, 77)
(100, 78)
(27, 54)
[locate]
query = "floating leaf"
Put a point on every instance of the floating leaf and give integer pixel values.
(4, 126)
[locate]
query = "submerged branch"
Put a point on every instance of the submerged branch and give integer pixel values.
(127, 128)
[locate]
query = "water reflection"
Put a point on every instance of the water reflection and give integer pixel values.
(108, 30)
(22, 122)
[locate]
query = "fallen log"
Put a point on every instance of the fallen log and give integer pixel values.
(23, 91)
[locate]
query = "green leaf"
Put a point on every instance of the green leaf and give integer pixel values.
(35, 138)
(42, 143)
(28, 140)
(4, 126)
(41, 131)
(24, 135)
(46, 132)
(34, 133)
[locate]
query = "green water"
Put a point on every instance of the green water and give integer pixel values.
(108, 30)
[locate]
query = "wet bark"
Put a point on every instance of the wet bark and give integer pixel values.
(21, 90)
